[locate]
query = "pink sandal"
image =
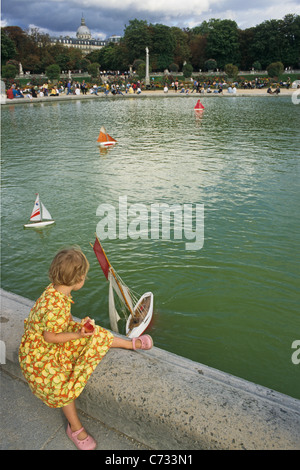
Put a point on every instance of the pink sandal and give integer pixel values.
(85, 444)
(146, 342)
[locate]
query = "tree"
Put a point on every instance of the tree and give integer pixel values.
(291, 31)
(187, 70)
(136, 39)
(182, 52)
(198, 51)
(9, 71)
(246, 53)
(210, 64)
(111, 57)
(277, 41)
(231, 70)
(53, 72)
(23, 43)
(275, 69)
(32, 64)
(8, 48)
(141, 70)
(257, 65)
(223, 42)
(75, 58)
(173, 67)
(163, 46)
(93, 69)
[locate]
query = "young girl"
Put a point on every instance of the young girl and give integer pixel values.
(56, 355)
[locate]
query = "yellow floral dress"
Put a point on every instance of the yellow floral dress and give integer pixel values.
(58, 372)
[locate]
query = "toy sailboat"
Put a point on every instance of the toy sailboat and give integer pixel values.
(199, 106)
(138, 313)
(104, 139)
(40, 216)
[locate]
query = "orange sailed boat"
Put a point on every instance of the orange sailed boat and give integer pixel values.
(104, 139)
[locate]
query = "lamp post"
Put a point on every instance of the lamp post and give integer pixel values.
(147, 78)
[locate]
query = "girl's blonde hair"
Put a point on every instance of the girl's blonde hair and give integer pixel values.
(68, 267)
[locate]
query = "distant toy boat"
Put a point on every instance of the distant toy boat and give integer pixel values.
(138, 313)
(40, 216)
(104, 139)
(199, 106)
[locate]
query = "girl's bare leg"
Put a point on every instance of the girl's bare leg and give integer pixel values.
(124, 343)
(70, 413)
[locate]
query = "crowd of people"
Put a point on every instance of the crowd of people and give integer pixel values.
(70, 87)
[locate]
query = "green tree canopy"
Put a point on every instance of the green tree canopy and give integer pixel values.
(136, 39)
(53, 72)
(275, 69)
(223, 42)
(182, 52)
(8, 48)
(9, 71)
(162, 46)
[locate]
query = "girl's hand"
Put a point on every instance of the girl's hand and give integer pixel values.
(84, 334)
(88, 324)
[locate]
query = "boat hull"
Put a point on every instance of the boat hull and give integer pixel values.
(136, 331)
(41, 224)
(106, 144)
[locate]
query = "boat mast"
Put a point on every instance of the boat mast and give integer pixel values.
(116, 278)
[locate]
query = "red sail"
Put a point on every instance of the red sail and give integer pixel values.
(199, 105)
(101, 257)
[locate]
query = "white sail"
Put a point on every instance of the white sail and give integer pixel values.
(45, 213)
(113, 314)
(127, 296)
(36, 211)
(138, 317)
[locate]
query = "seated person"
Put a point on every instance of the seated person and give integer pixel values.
(19, 94)
(33, 93)
(10, 93)
(54, 92)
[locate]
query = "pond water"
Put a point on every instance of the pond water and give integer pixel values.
(234, 303)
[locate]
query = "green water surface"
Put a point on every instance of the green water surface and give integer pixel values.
(232, 305)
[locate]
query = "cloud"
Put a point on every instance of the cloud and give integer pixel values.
(62, 17)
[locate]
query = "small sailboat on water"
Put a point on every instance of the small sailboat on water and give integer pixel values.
(199, 106)
(104, 139)
(138, 312)
(40, 216)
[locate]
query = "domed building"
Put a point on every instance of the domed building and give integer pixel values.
(84, 40)
(83, 31)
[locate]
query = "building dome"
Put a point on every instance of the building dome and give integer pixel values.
(83, 31)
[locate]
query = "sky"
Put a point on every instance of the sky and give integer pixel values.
(105, 18)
